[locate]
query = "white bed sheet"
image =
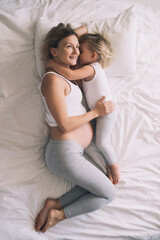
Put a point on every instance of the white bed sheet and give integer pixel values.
(25, 182)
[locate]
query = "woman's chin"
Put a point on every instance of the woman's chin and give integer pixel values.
(72, 63)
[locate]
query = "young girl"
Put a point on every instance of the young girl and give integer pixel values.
(95, 54)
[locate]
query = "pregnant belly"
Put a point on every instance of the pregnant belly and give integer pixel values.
(82, 135)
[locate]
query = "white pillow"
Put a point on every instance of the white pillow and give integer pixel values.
(121, 31)
(122, 34)
(43, 26)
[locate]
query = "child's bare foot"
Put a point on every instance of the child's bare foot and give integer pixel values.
(54, 217)
(115, 173)
(109, 173)
(41, 219)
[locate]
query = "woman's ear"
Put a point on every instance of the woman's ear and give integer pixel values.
(53, 51)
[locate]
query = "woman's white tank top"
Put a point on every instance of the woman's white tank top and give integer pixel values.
(73, 101)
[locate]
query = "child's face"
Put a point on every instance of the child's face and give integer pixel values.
(85, 56)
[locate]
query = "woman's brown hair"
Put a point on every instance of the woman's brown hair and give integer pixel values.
(54, 36)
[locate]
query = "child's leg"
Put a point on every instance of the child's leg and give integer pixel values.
(104, 127)
(103, 131)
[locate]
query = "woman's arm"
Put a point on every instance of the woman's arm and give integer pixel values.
(83, 72)
(56, 103)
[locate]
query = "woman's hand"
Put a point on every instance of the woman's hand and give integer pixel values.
(104, 107)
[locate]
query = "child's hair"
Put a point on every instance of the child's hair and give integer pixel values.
(97, 43)
(54, 36)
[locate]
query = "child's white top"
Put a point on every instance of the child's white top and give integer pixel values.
(97, 87)
(73, 102)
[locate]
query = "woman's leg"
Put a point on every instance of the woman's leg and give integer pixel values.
(65, 158)
(69, 163)
(51, 205)
(69, 197)
(73, 195)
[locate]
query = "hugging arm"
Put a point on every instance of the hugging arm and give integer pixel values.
(70, 74)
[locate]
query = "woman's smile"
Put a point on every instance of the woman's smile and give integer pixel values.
(73, 58)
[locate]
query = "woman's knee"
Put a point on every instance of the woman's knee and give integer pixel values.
(105, 201)
(102, 203)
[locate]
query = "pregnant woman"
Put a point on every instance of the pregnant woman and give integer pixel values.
(70, 133)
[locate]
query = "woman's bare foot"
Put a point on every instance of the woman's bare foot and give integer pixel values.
(41, 219)
(54, 217)
(115, 173)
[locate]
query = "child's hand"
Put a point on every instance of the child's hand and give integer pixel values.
(103, 108)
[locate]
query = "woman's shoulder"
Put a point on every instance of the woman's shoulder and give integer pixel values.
(50, 76)
(51, 80)
(50, 73)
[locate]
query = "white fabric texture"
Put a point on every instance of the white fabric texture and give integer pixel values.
(25, 181)
(120, 30)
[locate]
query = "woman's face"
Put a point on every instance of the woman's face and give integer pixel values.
(67, 51)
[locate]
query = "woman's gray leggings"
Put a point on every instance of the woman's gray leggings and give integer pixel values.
(93, 191)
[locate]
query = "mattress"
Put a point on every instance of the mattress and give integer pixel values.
(25, 181)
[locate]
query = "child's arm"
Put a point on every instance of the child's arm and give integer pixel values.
(81, 30)
(83, 72)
